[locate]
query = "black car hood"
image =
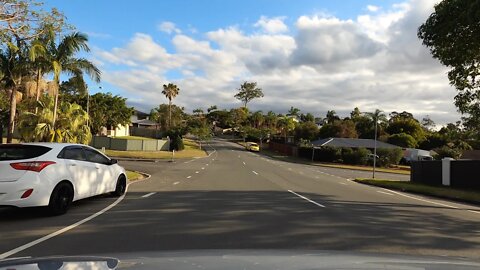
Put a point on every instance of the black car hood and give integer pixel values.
(243, 259)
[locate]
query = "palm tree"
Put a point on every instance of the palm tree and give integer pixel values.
(61, 58)
(70, 124)
(257, 119)
(271, 119)
(170, 91)
(14, 67)
(376, 116)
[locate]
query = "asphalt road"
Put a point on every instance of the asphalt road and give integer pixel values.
(234, 199)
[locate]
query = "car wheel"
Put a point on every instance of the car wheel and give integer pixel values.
(61, 199)
(121, 186)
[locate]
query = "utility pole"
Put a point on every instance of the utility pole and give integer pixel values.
(375, 147)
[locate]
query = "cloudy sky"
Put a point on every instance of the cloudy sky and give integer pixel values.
(312, 54)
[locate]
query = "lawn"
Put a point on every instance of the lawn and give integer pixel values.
(367, 168)
(187, 153)
(398, 169)
(436, 191)
(133, 176)
(134, 138)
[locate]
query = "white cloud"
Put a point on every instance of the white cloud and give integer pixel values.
(272, 25)
(372, 61)
(168, 27)
(373, 8)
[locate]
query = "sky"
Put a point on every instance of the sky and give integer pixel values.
(316, 55)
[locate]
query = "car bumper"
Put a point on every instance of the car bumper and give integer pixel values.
(254, 149)
(11, 192)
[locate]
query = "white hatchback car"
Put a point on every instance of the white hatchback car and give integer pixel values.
(56, 174)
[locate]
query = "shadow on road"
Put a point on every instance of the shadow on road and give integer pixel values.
(268, 220)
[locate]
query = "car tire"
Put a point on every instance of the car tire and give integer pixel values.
(61, 199)
(121, 186)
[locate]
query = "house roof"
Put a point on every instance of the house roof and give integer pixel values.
(145, 122)
(140, 114)
(353, 143)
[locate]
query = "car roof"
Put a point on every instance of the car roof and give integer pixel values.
(53, 145)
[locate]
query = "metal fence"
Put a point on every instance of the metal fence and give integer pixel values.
(459, 173)
(145, 132)
(130, 145)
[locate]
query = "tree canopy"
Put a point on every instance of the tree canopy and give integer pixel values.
(247, 92)
(108, 111)
(452, 33)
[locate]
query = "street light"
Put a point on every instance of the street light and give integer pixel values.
(375, 144)
(375, 149)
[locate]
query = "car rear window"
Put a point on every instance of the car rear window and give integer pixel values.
(21, 151)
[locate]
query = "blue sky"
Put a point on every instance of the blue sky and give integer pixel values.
(321, 54)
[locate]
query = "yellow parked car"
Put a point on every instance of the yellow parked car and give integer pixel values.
(251, 146)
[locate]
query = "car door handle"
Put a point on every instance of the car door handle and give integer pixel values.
(97, 168)
(73, 165)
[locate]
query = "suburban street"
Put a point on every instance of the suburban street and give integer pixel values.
(234, 199)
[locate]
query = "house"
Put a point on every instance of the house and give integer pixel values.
(138, 115)
(352, 143)
(145, 123)
(319, 122)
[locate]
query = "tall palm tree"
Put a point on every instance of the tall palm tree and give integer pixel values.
(14, 66)
(170, 91)
(376, 116)
(61, 59)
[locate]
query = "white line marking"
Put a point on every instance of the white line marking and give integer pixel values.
(473, 211)
(188, 177)
(68, 228)
(244, 163)
(197, 172)
(415, 198)
(203, 168)
(255, 172)
(342, 183)
(207, 164)
(176, 183)
(189, 161)
(384, 192)
(148, 195)
(307, 199)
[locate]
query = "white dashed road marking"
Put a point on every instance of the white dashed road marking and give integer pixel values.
(188, 177)
(384, 192)
(176, 183)
(197, 172)
(255, 172)
(148, 195)
(307, 199)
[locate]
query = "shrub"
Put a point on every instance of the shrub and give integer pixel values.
(388, 157)
(176, 144)
(402, 140)
(446, 151)
(355, 156)
(327, 154)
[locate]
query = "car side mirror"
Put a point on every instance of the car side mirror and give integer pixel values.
(113, 161)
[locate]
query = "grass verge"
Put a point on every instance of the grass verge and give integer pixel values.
(133, 176)
(187, 153)
(397, 170)
(134, 138)
(434, 191)
(366, 168)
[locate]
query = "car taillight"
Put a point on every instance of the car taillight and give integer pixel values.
(35, 166)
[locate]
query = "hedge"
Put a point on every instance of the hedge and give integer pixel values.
(353, 156)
